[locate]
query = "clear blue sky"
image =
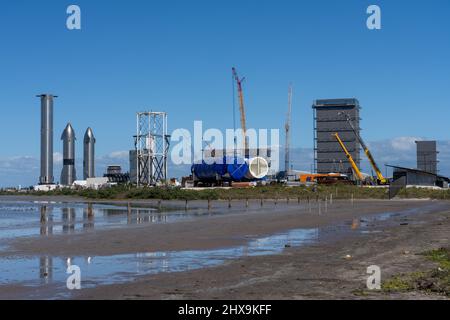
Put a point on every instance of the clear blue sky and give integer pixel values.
(177, 56)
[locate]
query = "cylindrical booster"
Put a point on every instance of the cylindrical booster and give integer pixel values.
(68, 174)
(89, 155)
(46, 139)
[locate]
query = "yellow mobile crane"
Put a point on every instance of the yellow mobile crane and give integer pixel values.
(355, 168)
(380, 178)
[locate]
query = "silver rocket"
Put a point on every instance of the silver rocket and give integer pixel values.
(46, 139)
(68, 174)
(89, 154)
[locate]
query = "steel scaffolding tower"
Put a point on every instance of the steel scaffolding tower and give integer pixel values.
(152, 148)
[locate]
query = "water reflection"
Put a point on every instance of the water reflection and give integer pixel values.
(68, 220)
(46, 220)
(46, 268)
(88, 218)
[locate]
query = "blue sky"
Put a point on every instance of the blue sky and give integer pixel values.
(177, 56)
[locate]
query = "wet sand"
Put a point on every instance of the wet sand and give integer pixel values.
(317, 271)
(207, 232)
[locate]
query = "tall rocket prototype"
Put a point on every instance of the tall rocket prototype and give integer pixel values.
(68, 174)
(46, 139)
(89, 155)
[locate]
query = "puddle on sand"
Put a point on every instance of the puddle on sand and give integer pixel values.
(26, 219)
(96, 271)
(50, 272)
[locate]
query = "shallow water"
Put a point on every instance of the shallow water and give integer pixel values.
(40, 271)
(34, 219)
(26, 219)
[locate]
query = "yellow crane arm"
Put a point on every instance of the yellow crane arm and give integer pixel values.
(380, 176)
(349, 157)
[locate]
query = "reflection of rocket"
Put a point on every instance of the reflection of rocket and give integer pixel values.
(46, 268)
(68, 175)
(68, 220)
(89, 155)
(46, 221)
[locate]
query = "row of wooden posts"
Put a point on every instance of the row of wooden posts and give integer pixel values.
(328, 201)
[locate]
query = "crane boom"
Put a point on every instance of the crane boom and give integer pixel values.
(349, 157)
(380, 177)
(241, 108)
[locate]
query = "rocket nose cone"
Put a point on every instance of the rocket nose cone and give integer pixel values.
(68, 132)
(89, 135)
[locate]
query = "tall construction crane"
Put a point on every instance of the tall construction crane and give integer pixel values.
(288, 132)
(241, 107)
(380, 178)
(355, 168)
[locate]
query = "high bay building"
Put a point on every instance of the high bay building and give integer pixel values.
(427, 156)
(330, 117)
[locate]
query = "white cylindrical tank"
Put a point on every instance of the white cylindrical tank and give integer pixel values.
(258, 168)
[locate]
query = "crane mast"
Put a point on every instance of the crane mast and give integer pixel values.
(288, 132)
(241, 108)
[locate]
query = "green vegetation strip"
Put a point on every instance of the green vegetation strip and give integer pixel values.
(432, 281)
(266, 192)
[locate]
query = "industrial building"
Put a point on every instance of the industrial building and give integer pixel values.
(427, 156)
(416, 177)
(330, 117)
(115, 175)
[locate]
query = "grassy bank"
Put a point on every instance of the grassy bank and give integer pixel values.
(266, 192)
(436, 280)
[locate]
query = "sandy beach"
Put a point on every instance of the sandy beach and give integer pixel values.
(333, 266)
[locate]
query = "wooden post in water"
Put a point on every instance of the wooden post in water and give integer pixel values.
(186, 206)
(262, 202)
(353, 200)
(326, 204)
(331, 199)
(209, 204)
(90, 210)
(129, 208)
(246, 203)
(229, 203)
(159, 205)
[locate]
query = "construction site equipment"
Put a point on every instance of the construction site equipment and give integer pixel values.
(241, 107)
(288, 133)
(230, 169)
(355, 168)
(330, 178)
(152, 149)
(381, 180)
